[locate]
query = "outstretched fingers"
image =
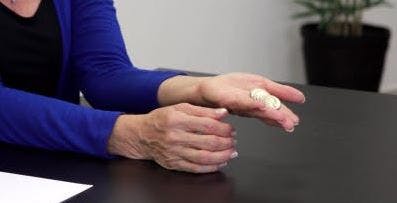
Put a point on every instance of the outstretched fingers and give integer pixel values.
(283, 92)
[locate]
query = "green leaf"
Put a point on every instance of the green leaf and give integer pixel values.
(333, 12)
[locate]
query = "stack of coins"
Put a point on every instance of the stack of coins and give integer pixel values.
(266, 98)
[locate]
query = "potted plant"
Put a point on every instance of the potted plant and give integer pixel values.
(339, 50)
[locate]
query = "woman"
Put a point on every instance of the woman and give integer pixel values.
(52, 49)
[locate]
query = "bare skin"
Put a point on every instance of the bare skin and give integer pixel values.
(169, 136)
(232, 91)
(192, 137)
(188, 133)
(24, 8)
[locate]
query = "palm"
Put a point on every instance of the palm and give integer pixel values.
(227, 90)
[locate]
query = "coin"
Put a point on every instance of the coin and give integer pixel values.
(266, 98)
(258, 94)
(273, 102)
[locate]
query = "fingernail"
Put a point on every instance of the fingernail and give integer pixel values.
(234, 155)
(304, 100)
(290, 130)
(234, 133)
(296, 123)
(223, 165)
(221, 111)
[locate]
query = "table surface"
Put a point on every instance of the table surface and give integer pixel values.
(345, 150)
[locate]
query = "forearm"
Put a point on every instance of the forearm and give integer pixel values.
(124, 89)
(38, 121)
(181, 89)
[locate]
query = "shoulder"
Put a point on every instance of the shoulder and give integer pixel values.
(91, 3)
(89, 7)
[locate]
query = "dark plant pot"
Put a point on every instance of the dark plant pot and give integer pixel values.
(345, 62)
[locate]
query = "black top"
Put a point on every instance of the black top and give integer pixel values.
(30, 50)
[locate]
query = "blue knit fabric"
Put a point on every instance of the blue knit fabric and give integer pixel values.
(95, 62)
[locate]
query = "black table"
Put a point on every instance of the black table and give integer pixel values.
(345, 150)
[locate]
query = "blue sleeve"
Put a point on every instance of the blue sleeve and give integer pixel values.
(38, 121)
(105, 73)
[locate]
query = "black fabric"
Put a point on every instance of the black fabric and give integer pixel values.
(30, 50)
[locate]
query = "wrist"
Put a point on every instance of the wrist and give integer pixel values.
(125, 137)
(181, 89)
(194, 92)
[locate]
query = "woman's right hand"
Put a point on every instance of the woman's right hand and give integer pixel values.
(181, 137)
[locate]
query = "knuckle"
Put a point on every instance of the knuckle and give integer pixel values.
(218, 143)
(167, 117)
(228, 143)
(208, 127)
(202, 157)
(170, 138)
(172, 117)
(281, 119)
(212, 143)
(228, 129)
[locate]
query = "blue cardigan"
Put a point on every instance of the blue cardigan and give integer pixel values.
(94, 61)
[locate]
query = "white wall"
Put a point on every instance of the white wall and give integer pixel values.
(220, 36)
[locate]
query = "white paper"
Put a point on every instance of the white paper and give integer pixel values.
(21, 189)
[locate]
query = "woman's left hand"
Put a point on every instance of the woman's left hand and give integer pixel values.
(232, 91)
